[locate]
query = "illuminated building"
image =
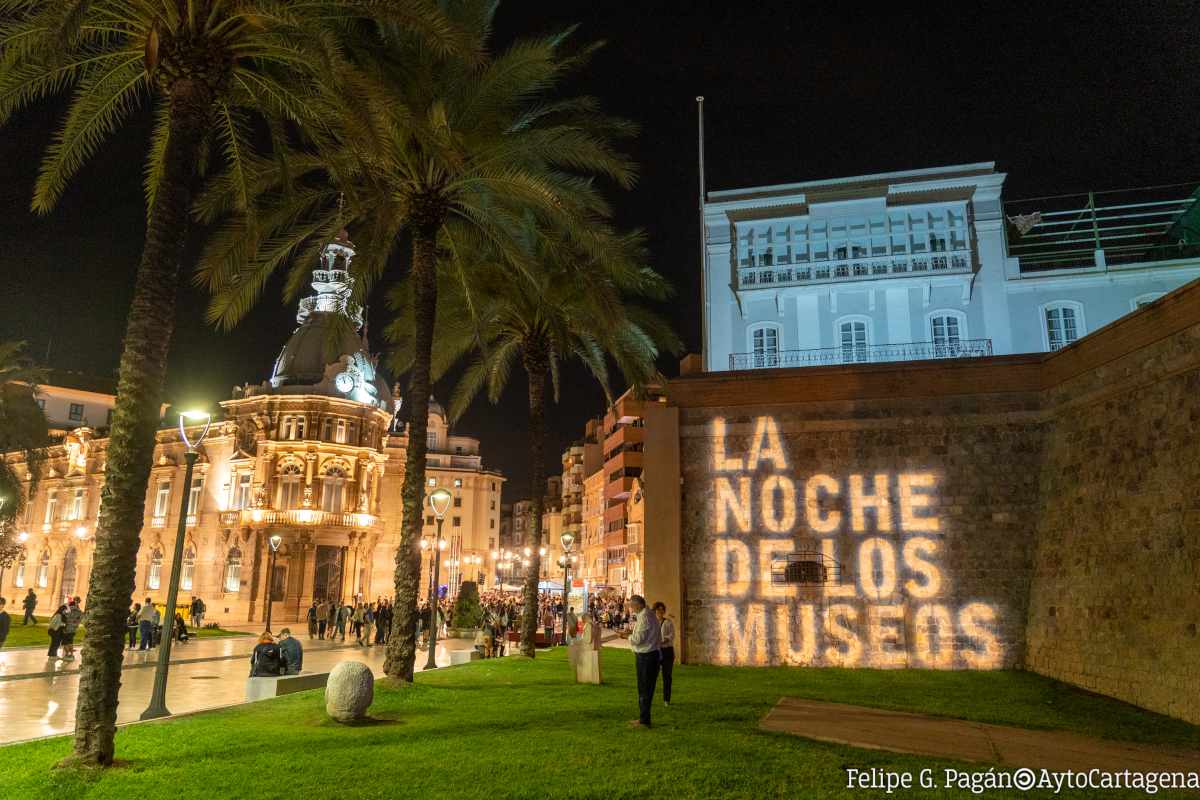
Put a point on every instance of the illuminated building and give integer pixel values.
(930, 263)
(313, 454)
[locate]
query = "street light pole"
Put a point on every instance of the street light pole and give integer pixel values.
(158, 699)
(439, 501)
(567, 540)
(274, 540)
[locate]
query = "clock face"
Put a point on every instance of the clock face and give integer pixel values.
(344, 382)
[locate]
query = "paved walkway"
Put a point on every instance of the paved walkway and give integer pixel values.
(38, 695)
(900, 732)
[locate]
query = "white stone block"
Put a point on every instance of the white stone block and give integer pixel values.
(464, 656)
(350, 690)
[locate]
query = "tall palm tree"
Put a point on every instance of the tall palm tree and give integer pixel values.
(203, 65)
(465, 148)
(23, 428)
(570, 305)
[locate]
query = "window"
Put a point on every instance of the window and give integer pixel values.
(458, 502)
(328, 435)
(233, 569)
(162, 498)
(458, 483)
(339, 435)
(456, 522)
(947, 329)
(189, 568)
(350, 433)
(493, 505)
(289, 487)
(1064, 324)
(287, 428)
(299, 427)
(241, 495)
(77, 504)
(429, 519)
(154, 574)
(493, 486)
(194, 497)
(458, 450)
(76, 412)
(431, 440)
(493, 523)
(433, 481)
(51, 505)
(43, 569)
(764, 344)
(293, 427)
(333, 490)
(853, 340)
(68, 577)
(19, 579)
(1144, 300)
(491, 544)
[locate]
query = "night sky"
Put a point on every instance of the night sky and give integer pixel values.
(1063, 100)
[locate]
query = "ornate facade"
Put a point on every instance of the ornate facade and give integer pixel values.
(314, 454)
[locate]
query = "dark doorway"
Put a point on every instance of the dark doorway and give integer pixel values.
(327, 580)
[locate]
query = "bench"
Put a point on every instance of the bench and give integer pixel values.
(279, 685)
(464, 656)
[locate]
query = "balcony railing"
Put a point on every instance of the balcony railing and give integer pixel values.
(328, 519)
(863, 354)
(855, 269)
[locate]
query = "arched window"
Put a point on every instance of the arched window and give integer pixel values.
(189, 566)
(947, 329)
(154, 574)
(333, 490)
(1062, 324)
(19, 578)
(68, 578)
(854, 338)
(289, 487)
(43, 569)
(233, 570)
(764, 345)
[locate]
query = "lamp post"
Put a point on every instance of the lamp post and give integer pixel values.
(567, 540)
(439, 501)
(2, 502)
(274, 540)
(158, 699)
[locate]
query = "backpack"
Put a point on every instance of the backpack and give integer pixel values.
(267, 660)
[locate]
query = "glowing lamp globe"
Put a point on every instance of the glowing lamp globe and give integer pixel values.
(439, 501)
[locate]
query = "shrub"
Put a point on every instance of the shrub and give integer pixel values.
(468, 613)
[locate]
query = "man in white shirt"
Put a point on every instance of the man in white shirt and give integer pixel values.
(645, 641)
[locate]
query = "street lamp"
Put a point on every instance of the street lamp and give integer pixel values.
(567, 540)
(275, 540)
(439, 501)
(158, 699)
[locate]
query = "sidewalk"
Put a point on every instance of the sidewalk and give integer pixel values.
(900, 732)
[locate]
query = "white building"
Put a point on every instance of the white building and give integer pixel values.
(929, 264)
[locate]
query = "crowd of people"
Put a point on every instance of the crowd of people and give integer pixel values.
(368, 623)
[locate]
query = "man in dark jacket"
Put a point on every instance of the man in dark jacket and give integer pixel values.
(5, 622)
(30, 604)
(293, 652)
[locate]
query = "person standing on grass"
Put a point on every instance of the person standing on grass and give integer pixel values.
(145, 620)
(312, 620)
(291, 651)
(5, 622)
(30, 604)
(644, 641)
(57, 623)
(548, 624)
(666, 649)
(70, 627)
(571, 622)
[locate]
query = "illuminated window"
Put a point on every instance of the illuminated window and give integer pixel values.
(431, 440)
(77, 504)
(764, 343)
(287, 428)
(233, 569)
(51, 505)
(1064, 324)
(189, 567)
(340, 434)
(433, 481)
(241, 495)
(299, 427)
(333, 490)
(154, 574)
(458, 483)
(162, 498)
(76, 412)
(194, 497)
(289, 487)
(19, 579)
(853, 338)
(43, 569)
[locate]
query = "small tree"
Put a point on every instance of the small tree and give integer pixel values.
(468, 613)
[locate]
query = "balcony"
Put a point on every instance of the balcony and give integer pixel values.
(866, 354)
(855, 269)
(326, 519)
(618, 489)
(627, 459)
(626, 434)
(158, 522)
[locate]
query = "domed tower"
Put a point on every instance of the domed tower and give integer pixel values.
(306, 366)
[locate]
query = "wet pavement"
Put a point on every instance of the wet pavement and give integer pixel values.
(38, 694)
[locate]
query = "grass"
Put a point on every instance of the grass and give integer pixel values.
(516, 728)
(37, 635)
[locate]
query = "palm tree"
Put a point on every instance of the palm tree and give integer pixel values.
(463, 149)
(203, 65)
(571, 305)
(22, 428)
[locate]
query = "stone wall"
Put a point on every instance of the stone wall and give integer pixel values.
(1040, 511)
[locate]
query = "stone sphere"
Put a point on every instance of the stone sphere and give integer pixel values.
(349, 691)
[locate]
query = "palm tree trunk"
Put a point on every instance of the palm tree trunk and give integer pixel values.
(402, 642)
(536, 366)
(135, 422)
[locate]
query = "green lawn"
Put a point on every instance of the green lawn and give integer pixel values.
(512, 728)
(27, 635)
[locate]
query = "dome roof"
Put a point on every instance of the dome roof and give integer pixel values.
(303, 358)
(436, 408)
